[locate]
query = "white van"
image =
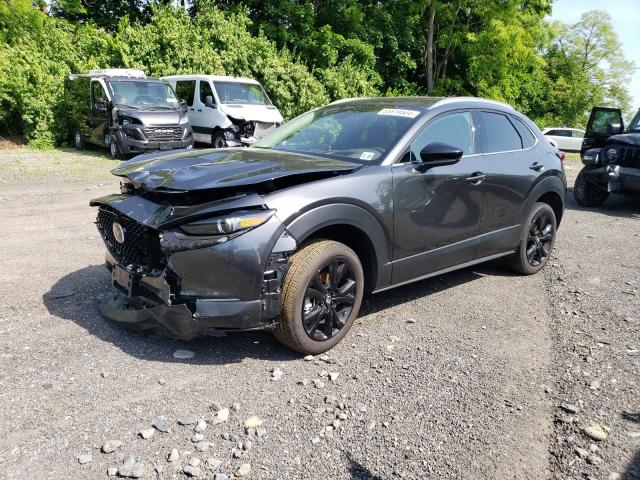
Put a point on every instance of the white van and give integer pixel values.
(226, 111)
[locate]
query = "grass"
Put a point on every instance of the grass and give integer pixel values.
(17, 164)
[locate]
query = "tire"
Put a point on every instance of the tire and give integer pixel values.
(218, 140)
(539, 219)
(587, 194)
(307, 286)
(78, 140)
(114, 149)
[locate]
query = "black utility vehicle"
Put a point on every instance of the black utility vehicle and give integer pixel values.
(125, 111)
(359, 196)
(611, 158)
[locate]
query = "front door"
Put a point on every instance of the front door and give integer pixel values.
(99, 113)
(437, 213)
(603, 122)
(206, 118)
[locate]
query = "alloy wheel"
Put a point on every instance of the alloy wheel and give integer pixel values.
(328, 300)
(540, 239)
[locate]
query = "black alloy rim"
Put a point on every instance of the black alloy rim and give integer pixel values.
(540, 239)
(328, 300)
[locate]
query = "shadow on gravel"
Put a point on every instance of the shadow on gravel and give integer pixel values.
(615, 206)
(76, 296)
(633, 471)
(357, 471)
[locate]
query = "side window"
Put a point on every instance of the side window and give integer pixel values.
(528, 138)
(455, 129)
(205, 91)
(97, 93)
(500, 134)
(600, 120)
(577, 134)
(185, 90)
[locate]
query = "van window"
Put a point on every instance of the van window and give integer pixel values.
(455, 129)
(185, 90)
(98, 93)
(500, 134)
(205, 91)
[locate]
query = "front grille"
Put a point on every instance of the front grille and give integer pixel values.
(163, 133)
(141, 246)
(629, 157)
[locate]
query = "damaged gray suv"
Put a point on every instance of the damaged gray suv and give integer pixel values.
(359, 196)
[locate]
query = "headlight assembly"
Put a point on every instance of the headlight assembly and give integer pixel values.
(611, 154)
(127, 120)
(234, 222)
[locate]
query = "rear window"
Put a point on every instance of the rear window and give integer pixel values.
(500, 135)
(528, 138)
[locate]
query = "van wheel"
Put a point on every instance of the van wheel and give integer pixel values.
(78, 140)
(218, 140)
(537, 240)
(321, 297)
(114, 148)
(587, 194)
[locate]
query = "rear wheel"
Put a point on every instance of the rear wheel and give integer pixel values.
(321, 297)
(536, 242)
(588, 194)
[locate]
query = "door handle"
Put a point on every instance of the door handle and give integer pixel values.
(536, 166)
(476, 178)
(192, 109)
(199, 109)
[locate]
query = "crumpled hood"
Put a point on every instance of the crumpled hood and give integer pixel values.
(625, 139)
(256, 113)
(222, 168)
(153, 117)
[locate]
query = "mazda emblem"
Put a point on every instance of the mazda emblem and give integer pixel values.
(118, 232)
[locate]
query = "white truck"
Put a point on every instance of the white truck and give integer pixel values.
(226, 111)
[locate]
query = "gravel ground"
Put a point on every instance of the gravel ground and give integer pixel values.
(461, 376)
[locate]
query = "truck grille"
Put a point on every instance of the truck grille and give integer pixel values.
(141, 246)
(163, 133)
(629, 157)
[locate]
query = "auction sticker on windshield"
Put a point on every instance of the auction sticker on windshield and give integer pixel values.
(399, 112)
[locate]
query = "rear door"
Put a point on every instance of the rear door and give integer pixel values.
(186, 90)
(99, 113)
(603, 122)
(512, 166)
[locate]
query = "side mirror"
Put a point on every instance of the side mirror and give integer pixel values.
(183, 106)
(614, 128)
(208, 102)
(437, 154)
(101, 106)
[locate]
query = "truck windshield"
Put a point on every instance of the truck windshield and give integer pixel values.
(243, 93)
(143, 95)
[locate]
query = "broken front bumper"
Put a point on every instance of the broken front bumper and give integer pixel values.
(615, 179)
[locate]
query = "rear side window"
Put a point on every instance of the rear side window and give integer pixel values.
(455, 129)
(577, 134)
(500, 135)
(559, 133)
(98, 93)
(205, 91)
(185, 90)
(528, 138)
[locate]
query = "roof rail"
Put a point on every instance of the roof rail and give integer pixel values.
(446, 100)
(117, 72)
(342, 100)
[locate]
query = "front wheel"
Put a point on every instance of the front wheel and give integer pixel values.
(78, 139)
(588, 194)
(218, 140)
(537, 240)
(321, 297)
(114, 149)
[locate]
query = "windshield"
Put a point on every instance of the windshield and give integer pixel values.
(144, 95)
(634, 126)
(361, 133)
(244, 93)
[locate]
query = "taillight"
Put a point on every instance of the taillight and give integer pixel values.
(560, 155)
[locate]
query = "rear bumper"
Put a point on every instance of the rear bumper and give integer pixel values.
(614, 178)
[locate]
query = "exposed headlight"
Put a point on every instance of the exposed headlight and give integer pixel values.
(233, 223)
(611, 154)
(127, 120)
